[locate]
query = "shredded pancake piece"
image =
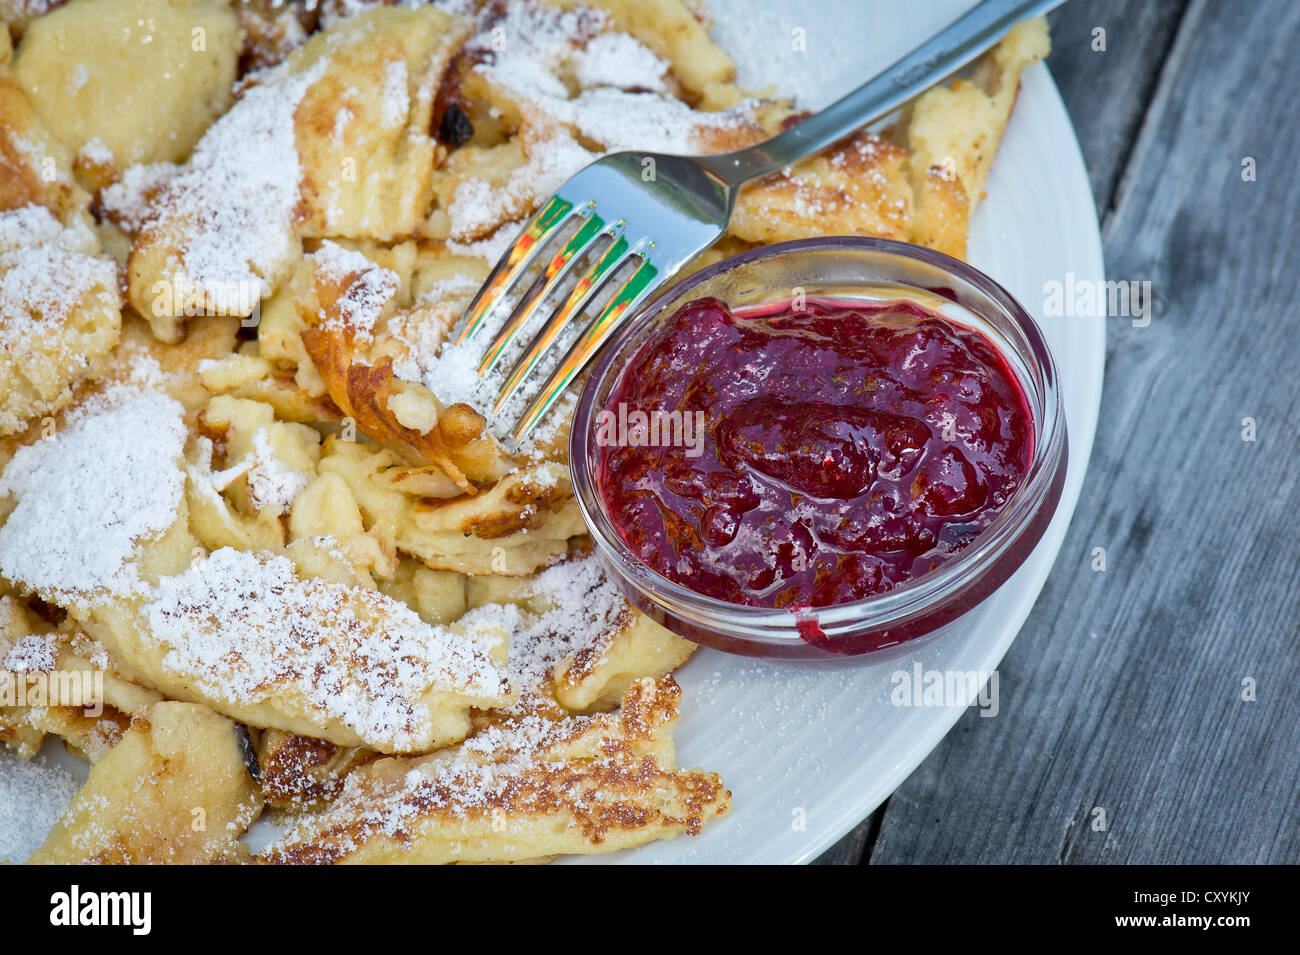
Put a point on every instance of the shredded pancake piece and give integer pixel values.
(243, 629)
(59, 312)
(521, 790)
(88, 495)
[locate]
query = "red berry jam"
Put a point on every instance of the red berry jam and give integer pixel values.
(784, 458)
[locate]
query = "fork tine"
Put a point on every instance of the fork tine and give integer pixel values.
(588, 285)
(513, 264)
(639, 284)
(560, 266)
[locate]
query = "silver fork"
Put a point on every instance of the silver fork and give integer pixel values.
(661, 225)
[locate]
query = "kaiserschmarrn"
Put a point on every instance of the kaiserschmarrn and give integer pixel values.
(252, 492)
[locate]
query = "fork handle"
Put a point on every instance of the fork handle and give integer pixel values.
(930, 62)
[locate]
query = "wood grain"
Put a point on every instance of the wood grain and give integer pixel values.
(1107, 92)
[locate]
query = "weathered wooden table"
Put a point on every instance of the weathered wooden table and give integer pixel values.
(1150, 712)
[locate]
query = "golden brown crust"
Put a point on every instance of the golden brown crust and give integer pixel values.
(300, 772)
(360, 169)
(857, 187)
(35, 169)
(331, 436)
(363, 130)
(952, 132)
(176, 789)
(581, 784)
(527, 501)
(365, 392)
(362, 393)
(272, 29)
(519, 525)
(60, 315)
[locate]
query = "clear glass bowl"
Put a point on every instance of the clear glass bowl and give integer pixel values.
(841, 268)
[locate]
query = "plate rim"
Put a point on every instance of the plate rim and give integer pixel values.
(1066, 508)
(854, 811)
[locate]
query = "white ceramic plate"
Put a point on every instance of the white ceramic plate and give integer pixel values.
(808, 753)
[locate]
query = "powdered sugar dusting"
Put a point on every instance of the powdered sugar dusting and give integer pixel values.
(33, 653)
(94, 652)
(271, 482)
(243, 627)
(94, 151)
(33, 794)
(623, 103)
(624, 120)
(618, 60)
(129, 201)
(577, 772)
(581, 608)
(450, 370)
(29, 9)
(451, 373)
(479, 206)
(368, 289)
(489, 249)
(88, 495)
(46, 270)
(233, 204)
(534, 53)
(422, 330)
(473, 779)
(431, 357)
(529, 46)
(395, 105)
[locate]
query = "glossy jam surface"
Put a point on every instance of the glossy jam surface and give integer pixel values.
(794, 459)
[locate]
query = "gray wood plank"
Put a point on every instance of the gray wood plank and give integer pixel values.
(1107, 91)
(1124, 690)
